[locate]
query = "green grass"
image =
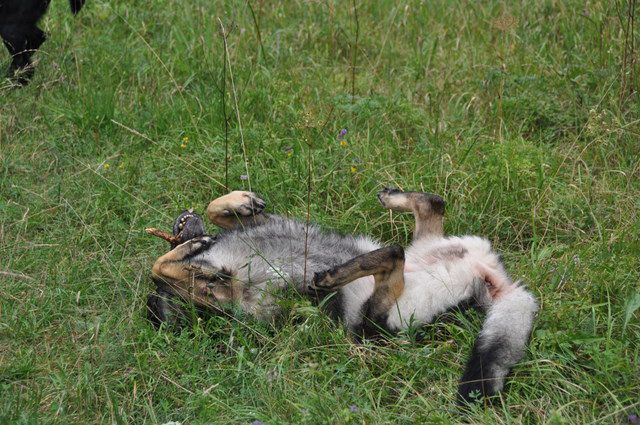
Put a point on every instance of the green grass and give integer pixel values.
(518, 123)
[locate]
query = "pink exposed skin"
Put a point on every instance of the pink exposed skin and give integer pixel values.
(497, 283)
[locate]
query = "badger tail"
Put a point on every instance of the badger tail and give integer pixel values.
(500, 345)
(76, 5)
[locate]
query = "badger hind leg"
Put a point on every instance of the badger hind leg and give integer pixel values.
(427, 208)
(386, 265)
(236, 210)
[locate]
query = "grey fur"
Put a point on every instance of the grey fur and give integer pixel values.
(281, 254)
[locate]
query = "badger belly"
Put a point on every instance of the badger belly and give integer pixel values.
(430, 292)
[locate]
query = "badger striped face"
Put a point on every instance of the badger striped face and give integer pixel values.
(182, 272)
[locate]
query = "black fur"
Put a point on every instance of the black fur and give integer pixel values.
(464, 306)
(204, 245)
(20, 33)
(330, 302)
(166, 308)
(479, 375)
(437, 203)
(76, 5)
(373, 326)
(162, 308)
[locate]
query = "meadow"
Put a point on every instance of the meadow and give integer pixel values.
(524, 116)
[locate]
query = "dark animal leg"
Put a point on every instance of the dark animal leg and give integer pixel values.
(387, 267)
(22, 41)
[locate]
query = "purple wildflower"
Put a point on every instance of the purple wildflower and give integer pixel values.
(353, 408)
(256, 422)
(244, 177)
(634, 419)
(342, 133)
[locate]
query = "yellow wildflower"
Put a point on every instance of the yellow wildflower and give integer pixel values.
(106, 166)
(343, 143)
(354, 169)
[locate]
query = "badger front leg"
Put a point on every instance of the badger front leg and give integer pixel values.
(386, 265)
(427, 208)
(237, 209)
